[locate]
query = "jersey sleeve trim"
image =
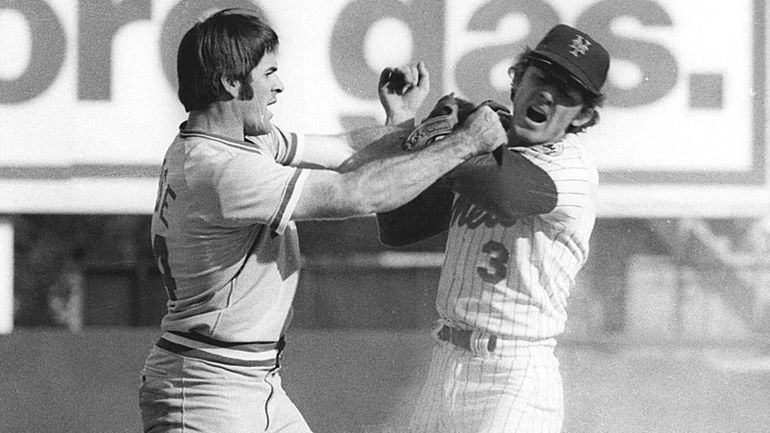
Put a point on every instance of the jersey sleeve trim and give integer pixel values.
(297, 148)
(290, 198)
(242, 145)
(295, 145)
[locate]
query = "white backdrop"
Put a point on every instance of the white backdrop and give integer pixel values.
(682, 132)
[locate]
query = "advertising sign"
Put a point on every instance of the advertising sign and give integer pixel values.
(88, 103)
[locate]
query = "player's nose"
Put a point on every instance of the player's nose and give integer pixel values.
(546, 95)
(278, 85)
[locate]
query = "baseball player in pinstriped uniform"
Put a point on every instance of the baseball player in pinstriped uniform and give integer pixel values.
(223, 231)
(519, 222)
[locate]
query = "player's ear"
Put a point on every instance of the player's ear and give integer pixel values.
(231, 85)
(585, 116)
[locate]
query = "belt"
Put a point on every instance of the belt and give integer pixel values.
(193, 345)
(462, 338)
(481, 343)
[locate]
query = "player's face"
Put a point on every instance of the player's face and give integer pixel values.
(544, 105)
(265, 84)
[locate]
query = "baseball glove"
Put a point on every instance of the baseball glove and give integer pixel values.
(448, 112)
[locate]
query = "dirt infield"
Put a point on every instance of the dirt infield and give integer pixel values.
(365, 381)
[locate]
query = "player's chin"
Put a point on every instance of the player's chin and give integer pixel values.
(528, 135)
(260, 128)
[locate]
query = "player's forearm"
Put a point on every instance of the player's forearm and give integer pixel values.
(361, 138)
(400, 118)
(384, 184)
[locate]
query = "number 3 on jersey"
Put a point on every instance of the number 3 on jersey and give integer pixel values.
(161, 255)
(492, 265)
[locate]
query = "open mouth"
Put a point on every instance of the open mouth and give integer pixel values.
(537, 114)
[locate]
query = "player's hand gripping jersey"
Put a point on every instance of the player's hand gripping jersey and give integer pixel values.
(222, 234)
(519, 223)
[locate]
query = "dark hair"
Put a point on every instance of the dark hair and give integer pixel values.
(229, 44)
(590, 100)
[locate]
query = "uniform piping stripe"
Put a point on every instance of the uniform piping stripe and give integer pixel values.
(288, 199)
(201, 341)
(242, 145)
(268, 353)
(299, 151)
(295, 193)
(179, 349)
(293, 142)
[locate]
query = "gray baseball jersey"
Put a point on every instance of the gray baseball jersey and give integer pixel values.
(218, 200)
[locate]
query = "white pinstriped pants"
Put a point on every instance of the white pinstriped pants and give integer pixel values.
(487, 393)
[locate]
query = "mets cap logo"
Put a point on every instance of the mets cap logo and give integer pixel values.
(579, 46)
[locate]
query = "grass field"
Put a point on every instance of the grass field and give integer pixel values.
(365, 381)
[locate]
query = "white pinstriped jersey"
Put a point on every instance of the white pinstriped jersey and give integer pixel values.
(218, 199)
(512, 278)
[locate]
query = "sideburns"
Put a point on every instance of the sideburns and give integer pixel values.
(246, 92)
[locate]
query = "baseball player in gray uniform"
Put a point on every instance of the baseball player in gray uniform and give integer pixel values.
(223, 229)
(519, 221)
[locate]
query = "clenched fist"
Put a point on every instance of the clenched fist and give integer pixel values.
(402, 91)
(483, 128)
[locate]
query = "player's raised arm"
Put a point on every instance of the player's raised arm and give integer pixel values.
(402, 91)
